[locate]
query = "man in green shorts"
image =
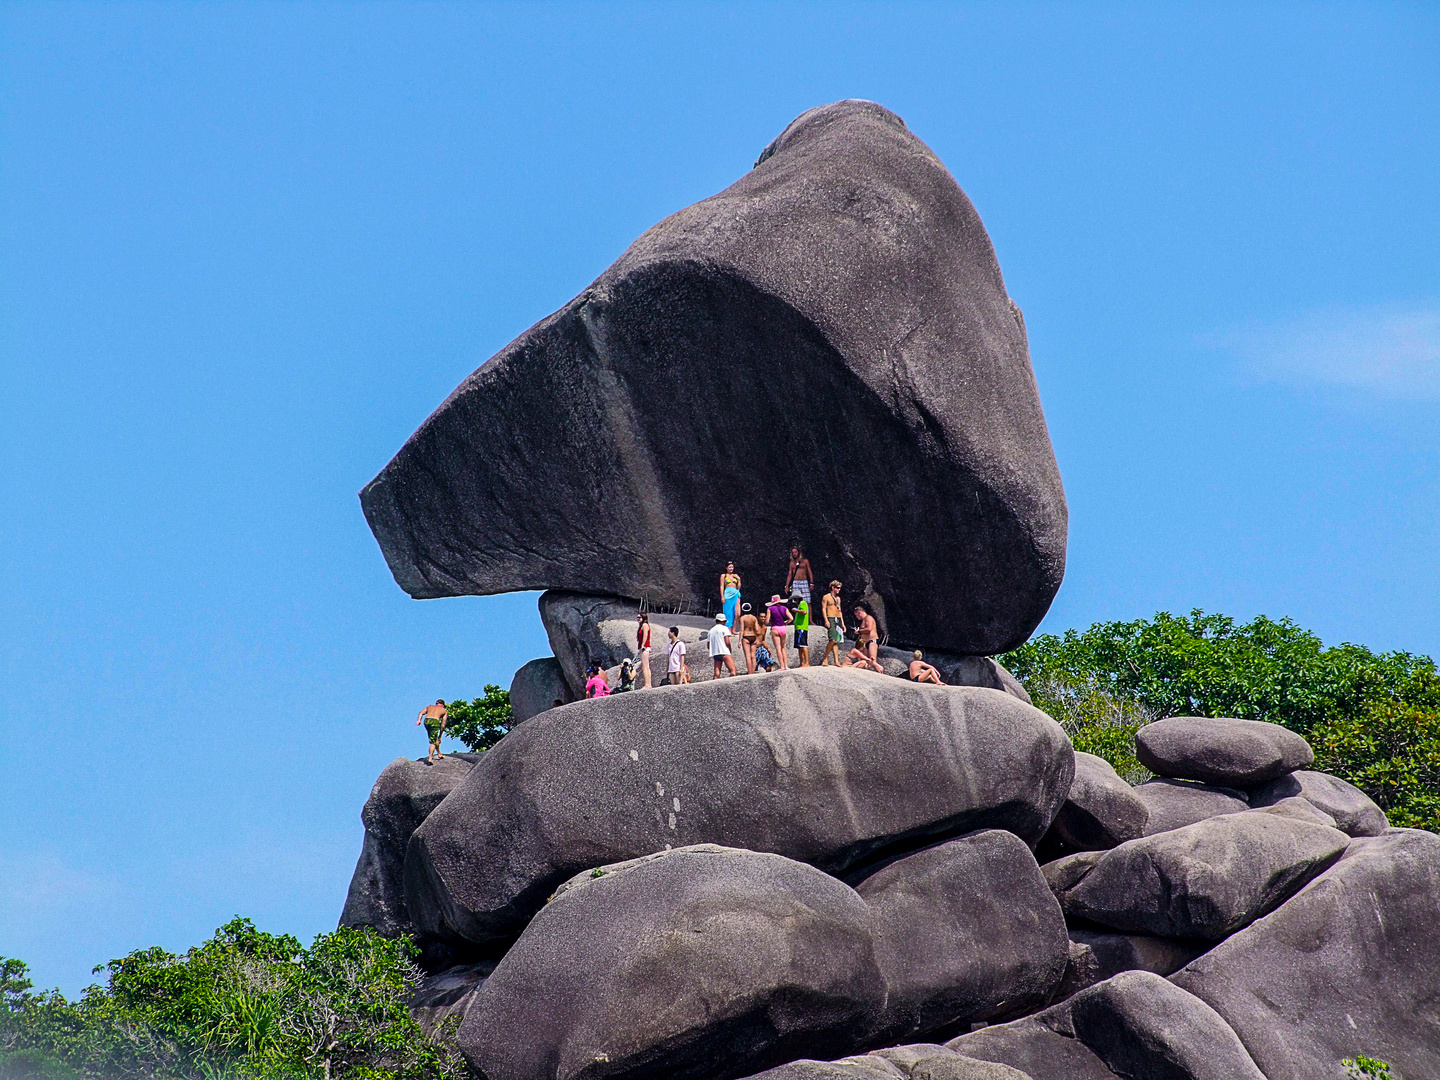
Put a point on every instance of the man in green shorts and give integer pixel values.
(434, 717)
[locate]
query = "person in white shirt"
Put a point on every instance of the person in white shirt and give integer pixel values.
(676, 653)
(720, 646)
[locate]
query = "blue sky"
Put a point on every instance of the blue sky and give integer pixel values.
(245, 250)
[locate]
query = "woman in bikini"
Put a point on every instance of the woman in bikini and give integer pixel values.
(730, 594)
(779, 628)
(750, 634)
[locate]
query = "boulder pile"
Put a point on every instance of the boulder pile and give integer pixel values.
(825, 872)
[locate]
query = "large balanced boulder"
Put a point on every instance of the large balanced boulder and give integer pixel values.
(964, 931)
(1348, 966)
(1134, 1025)
(829, 766)
(1220, 750)
(1205, 880)
(1354, 812)
(840, 303)
(1102, 810)
(1173, 804)
(698, 962)
(403, 796)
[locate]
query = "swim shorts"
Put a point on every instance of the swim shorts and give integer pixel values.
(432, 728)
(836, 634)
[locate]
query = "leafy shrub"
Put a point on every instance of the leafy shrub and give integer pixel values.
(481, 723)
(245, 1004)
(1372, 718)
(1359, 1068)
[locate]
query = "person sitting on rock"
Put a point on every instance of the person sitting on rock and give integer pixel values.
(675, 668)
(867, 635)
(860, 657)
(434, 717)
(750, 635)
(597, 685)
(720, 646)
(763, 658)
(923, 672)
(834, 617)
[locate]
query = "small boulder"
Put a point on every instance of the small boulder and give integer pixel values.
(1354, 812)
(1133, 1025)
(1102, 810)
(1173, 804)
(1350, 965)
(536, 687)
(1146, 1028)
(1220, 750)
(966, 930)
(829, 766)
(1205, 880)
(1115, 952)
(403, 796)
(700, 962)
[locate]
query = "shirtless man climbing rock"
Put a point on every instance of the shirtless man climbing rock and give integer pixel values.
(434, 717)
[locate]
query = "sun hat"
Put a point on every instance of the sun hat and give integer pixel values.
(775, 599)
(719, 616)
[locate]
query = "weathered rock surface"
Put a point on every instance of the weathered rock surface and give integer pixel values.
(827, 766)
(1350, 965)
(1205, 880)
(596, 452)
(1134, 1025)
(448, 993)
(601, 629)
(1220, 750)
(966, 930)
(1173, 804)
(403, 796)
(700, 962)
(1102, 810)
(1115, 952)
(1354, 811)
(930, 1063)
(536, 687)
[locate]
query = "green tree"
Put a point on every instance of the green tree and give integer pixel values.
(1372, 718)
(481, 723)
(245, 1004)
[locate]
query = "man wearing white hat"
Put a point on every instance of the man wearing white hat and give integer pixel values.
(720, 645)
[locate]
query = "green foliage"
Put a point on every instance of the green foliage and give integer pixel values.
(1358, 1068)
(481, 723)
(1392, 753)
(1208, 665)
(1372, 718)
(245, 1005)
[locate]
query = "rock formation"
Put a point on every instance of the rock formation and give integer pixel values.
(841, 303)
(820, 874)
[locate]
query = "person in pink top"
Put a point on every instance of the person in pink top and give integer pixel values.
(779, 629)
(596, 685)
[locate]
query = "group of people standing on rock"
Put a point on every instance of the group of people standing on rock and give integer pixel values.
(776, 621)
